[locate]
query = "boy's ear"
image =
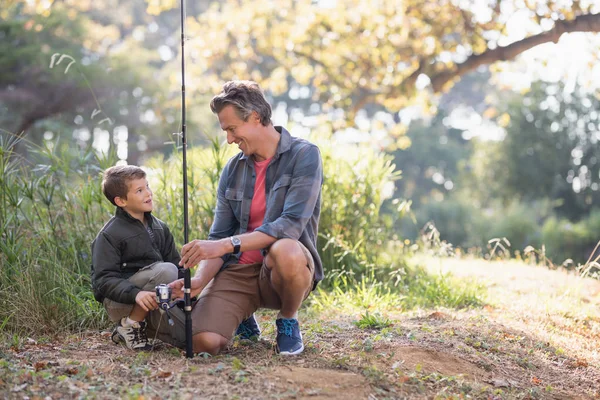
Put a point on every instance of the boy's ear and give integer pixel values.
(120, 202)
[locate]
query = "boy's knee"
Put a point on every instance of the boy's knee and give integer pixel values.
(164, 272)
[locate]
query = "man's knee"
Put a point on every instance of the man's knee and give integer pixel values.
(164, 272)
(208, 342)
(286, 253)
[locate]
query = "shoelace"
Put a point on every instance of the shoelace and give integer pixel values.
(287, 326)
(244, 330)
(139, 336)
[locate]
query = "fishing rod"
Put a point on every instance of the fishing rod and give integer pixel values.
(187, 280)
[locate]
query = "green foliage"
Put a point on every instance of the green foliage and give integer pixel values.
(435, 150)
(318, 45)
(564, 239)
(45, 233)
(373, 321)
(403, 289)
(165, 176)
(51, 213)
(550, 152)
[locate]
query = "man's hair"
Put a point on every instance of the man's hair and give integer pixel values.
(245, 97)
(116, 180)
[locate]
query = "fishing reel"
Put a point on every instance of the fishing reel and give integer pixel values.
(163, 298)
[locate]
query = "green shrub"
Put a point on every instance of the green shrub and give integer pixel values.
(49, 215)
(564, 239)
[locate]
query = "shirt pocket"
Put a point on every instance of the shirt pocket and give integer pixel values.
(234, 197)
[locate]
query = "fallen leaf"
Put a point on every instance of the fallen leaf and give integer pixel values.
(40, 365)
(437, 315)
(72, 371)
(536, 381)
(580, 362)
(164, 374)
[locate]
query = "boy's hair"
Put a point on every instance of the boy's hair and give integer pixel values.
(116, 180)
(245, 97)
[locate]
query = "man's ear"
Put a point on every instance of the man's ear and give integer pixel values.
(120, 202)
(255, 117)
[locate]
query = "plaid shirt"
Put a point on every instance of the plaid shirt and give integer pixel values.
(293, 196)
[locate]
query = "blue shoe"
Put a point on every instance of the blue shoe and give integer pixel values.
(248, 329)
(289, 337)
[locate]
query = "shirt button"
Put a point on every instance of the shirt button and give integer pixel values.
(124, 264)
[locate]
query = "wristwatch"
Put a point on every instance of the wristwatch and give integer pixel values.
(237, 243)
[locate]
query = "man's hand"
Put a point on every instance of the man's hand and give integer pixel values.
(146, 300)
(177, 288)
(198, 250)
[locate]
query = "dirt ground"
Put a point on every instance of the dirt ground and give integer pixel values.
(538, 336)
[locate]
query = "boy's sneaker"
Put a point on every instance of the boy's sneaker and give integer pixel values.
(134, 336)
(248, 329)
(289, 337)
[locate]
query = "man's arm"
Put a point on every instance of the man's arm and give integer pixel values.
(204, 274)
(224, 222)
(198, 250)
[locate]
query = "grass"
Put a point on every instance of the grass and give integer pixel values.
(511, 348)
(378, 325)
(52, 207)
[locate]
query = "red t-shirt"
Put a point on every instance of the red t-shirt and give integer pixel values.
(257, 210)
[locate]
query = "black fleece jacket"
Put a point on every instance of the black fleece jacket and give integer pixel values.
(123, 247)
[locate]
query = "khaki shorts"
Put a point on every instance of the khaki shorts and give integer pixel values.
(237, 292)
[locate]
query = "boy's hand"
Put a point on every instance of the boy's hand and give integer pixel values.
(177, 288)
(146, 300)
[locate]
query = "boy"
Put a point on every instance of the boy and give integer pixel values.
(131, 254)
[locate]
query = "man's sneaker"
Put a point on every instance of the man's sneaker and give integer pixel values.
(289, 337)
(248, 329)
(134, 336)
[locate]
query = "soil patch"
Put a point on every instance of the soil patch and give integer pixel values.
(411, 358)
(321, 383)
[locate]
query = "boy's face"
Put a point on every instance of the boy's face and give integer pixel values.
(139, 198)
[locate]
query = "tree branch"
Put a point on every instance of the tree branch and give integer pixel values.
(582, 23)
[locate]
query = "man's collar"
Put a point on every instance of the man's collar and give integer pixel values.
(285, 143)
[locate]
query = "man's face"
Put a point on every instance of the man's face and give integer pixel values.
(139, 197)
(243, 133)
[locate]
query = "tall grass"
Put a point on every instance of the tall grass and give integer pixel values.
(45, 232)
(51, 210)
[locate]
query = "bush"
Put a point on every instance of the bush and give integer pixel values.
(564, 239)
(48, 218)
(50, 214)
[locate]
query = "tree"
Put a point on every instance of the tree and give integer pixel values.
(66, 62)
(353, 53)
(550, 152)
(430, 167)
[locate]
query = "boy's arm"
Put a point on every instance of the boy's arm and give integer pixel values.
(108, 281)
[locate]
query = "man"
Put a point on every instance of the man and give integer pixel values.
(261, 250)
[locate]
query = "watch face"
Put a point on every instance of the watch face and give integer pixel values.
(236, 241)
